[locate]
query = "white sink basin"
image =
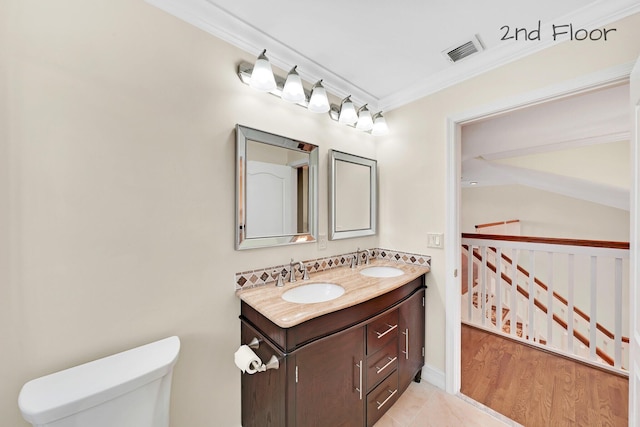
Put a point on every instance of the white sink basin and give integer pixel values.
(382, 272)
(313, 292)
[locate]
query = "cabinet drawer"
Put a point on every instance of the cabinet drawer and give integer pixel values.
(382, 331)
(382, 398)
(381, 364)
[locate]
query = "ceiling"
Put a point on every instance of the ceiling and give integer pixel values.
(388, 54)
(576, 146)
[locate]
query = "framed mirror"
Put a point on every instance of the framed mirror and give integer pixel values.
(353, 196)
(276, 190)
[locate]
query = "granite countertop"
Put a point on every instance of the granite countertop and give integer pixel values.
(268, 301)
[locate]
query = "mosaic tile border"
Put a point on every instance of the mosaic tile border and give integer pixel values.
(264, 276)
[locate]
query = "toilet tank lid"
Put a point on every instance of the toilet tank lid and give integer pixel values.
(66, 392)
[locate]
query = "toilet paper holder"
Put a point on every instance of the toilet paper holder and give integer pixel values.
(254, 344)
(273, 363)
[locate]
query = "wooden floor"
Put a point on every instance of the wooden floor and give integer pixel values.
(536, 388)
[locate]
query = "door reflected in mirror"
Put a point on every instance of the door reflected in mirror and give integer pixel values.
(277, 191)
(352, 195)
(276, 195)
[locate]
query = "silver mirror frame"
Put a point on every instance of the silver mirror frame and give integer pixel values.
(244, 134)
(335, 156)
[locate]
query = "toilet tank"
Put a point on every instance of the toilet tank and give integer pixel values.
(128, 389)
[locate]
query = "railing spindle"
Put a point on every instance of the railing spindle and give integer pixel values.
(570, 306)
(550, 301)
(617, 341)
(514, 291)
(594, 308)
(532, 296)
(498, 288)
(483, 288)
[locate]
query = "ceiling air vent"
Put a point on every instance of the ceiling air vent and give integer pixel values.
(456, 53)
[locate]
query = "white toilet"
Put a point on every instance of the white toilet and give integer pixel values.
(128, 389)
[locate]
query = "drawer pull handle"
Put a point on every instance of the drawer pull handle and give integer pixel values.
(406, 343)
(380, 405)
(391, 360)
(391, 328)
(359, 388)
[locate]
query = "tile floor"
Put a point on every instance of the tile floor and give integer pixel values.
(424, 405)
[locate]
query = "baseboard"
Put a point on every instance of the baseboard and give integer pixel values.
(434, 376)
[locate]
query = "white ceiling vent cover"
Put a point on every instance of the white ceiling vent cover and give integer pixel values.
(458, 52)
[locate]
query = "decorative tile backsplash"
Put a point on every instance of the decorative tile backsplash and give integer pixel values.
(263, 276)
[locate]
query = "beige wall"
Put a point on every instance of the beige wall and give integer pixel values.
(413, 157)
(117, 193)
(542, 213)
(117, 188)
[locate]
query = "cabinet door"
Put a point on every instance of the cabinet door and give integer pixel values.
(412, 325)
(263, 393)
(330, 381)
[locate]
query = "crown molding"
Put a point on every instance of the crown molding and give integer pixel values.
(232, 29)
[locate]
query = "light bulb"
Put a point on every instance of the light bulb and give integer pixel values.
(348, 113)
(365, 122)
(293, 90)
(262, 75)
(379, 125)
(318, 101)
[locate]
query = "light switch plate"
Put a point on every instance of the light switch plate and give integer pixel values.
(435, 240)
(322, 241)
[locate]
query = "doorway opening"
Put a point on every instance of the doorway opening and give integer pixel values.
(610, 77)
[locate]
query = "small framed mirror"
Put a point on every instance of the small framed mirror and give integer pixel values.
(276, 190)
(353, 196)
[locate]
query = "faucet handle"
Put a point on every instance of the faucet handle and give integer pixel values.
(305, 272)
(354, 261)
(279, 281)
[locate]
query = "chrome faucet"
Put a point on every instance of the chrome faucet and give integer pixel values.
(354, 261)
(367, 256)
(292, 275)
(301, 268)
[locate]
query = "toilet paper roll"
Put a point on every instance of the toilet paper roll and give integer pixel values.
(247, 360)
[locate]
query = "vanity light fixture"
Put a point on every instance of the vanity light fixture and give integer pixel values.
(379, 125)
(365, 121)
(293, 90)
(347, 115)
(318, 101)
(262, 75)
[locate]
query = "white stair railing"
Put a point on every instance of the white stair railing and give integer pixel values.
(577, 310)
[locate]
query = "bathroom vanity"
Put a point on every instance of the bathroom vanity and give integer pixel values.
(343, 362)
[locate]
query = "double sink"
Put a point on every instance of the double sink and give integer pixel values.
(322, 292)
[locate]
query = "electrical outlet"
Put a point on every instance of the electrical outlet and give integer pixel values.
(435, 240)
(322, 241)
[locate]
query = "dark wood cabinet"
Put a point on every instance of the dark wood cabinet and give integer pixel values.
(412, 343)
(345, 368)
(264, 396)
(329, 381)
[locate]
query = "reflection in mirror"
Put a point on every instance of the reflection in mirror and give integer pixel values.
(352, 195)
(276, 190)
